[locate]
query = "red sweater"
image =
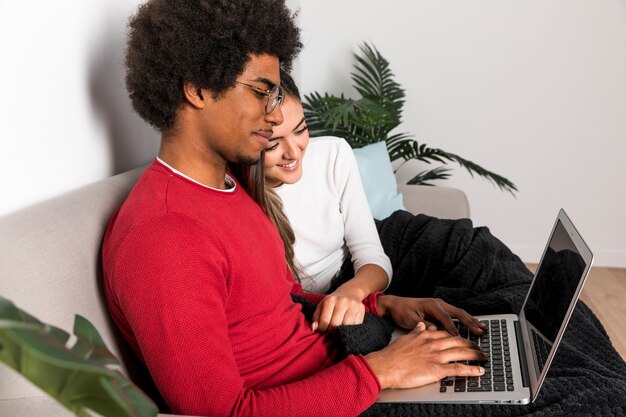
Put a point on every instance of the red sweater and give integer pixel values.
(196, 280)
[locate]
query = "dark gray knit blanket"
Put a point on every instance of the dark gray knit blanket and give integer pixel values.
(470, 268)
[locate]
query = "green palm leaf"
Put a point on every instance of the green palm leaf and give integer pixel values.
(408, 148)
(360, 122)
(376, 114)
(423, 178)
(373, 78)
(81, 377)
(498, 180)
(316, 109)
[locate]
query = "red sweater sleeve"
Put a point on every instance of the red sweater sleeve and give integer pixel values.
(175, 310)
(312, 297)
(369, 302)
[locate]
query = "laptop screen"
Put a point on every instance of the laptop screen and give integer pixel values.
(553, 289)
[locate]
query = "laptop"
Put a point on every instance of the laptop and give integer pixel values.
(521, 347)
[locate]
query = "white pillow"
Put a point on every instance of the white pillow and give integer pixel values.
(379, 181)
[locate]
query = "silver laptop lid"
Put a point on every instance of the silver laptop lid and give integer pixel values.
(549, 304)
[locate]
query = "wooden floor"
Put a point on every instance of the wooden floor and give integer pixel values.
(605, 294)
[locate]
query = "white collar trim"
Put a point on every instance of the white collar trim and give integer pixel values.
(228, 179)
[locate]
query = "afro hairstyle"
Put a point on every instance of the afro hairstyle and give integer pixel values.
(204, 42)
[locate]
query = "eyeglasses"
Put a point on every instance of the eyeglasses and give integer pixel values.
(274, 96)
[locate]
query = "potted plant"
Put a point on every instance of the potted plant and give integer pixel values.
(372, 118)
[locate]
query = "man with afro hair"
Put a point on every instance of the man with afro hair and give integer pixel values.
(194, 271)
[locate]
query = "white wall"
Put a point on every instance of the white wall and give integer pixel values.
(533, 90)
(64, 112)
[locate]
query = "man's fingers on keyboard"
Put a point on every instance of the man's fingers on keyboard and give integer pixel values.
(458, 369)
(453, 342)
(472, 323)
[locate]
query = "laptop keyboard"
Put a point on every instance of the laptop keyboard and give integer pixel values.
(498, 371)
(542, 349)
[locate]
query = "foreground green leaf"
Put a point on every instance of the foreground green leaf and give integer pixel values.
(84, 376)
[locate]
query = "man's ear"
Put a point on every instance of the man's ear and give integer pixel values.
(194, 95)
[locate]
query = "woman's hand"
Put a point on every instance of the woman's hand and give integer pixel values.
(408, 312)
(339, 308)
(345, 304)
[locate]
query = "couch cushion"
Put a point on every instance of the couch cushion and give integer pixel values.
(50, 263)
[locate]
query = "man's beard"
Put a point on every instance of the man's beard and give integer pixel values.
(244, 160)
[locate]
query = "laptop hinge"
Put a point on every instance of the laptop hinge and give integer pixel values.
(522, 354)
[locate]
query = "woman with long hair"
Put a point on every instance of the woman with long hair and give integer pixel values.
(314, 196)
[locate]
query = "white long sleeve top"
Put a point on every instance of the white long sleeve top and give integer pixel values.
(329, 214)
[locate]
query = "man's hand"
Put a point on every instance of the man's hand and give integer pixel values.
(423, 356)
(339, 308)
(408, 312)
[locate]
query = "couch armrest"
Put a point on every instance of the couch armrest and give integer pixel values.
(442, 202)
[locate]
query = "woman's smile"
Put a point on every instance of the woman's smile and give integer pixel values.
(290, 166)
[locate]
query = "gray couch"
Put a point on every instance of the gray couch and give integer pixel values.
(50, 267)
